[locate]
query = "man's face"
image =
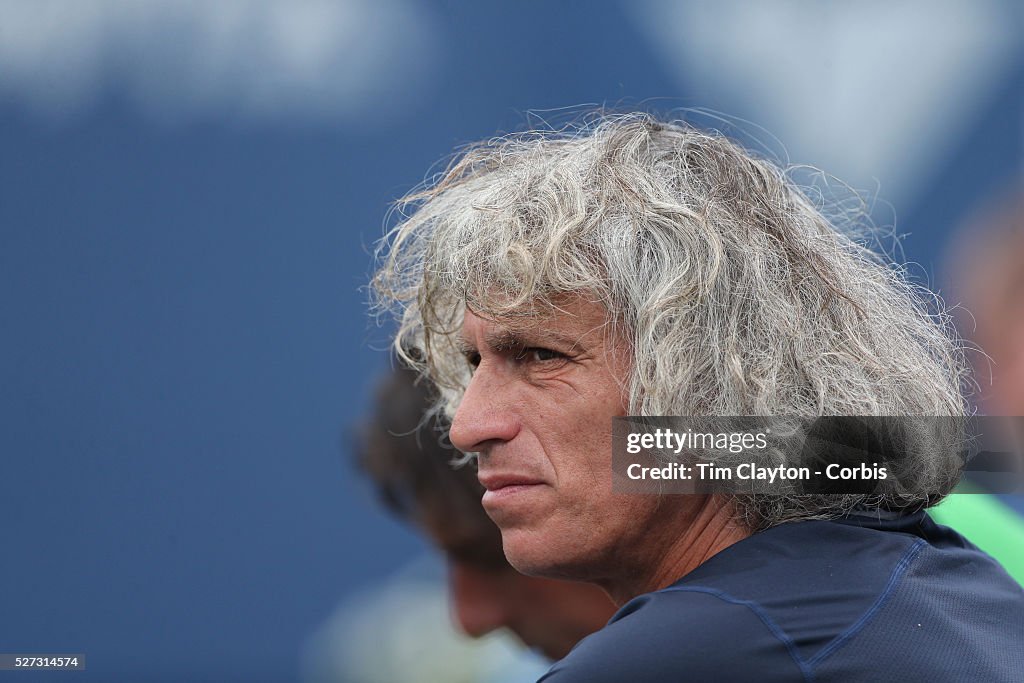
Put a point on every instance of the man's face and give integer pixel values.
(538, 410)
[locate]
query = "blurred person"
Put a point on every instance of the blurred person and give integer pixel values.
(415, 478)
(552, 281)
(985, 269)
(985, 263)
(397, 629)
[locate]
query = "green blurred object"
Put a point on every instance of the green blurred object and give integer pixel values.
(989, 524)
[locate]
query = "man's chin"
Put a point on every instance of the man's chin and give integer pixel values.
(535, 554)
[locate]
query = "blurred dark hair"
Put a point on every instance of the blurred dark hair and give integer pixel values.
(408, 458)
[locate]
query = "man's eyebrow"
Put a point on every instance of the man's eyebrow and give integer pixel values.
(510, 340)
(464, 346)
(505, 340)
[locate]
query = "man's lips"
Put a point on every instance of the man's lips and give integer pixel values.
(503, 488)
(496, 481)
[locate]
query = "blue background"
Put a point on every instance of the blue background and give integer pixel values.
(185, 346)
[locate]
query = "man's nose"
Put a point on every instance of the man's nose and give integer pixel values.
(475, 600)
(485, 414)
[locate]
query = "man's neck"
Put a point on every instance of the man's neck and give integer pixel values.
(708, 526)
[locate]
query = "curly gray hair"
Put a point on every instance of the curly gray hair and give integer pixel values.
(737, 296)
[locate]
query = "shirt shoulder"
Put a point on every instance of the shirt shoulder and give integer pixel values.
(819, 601)
(700, 632)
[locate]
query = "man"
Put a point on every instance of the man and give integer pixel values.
(415, 478)
(555, 281)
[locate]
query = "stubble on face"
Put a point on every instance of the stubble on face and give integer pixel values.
(539, 412)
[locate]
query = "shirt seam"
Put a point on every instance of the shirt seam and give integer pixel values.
(890, 587)
(773, 628)
(807, 666)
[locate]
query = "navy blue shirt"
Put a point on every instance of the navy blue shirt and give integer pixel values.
(855, 599)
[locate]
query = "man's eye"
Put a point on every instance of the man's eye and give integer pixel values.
(539, 355)
(473, 359)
